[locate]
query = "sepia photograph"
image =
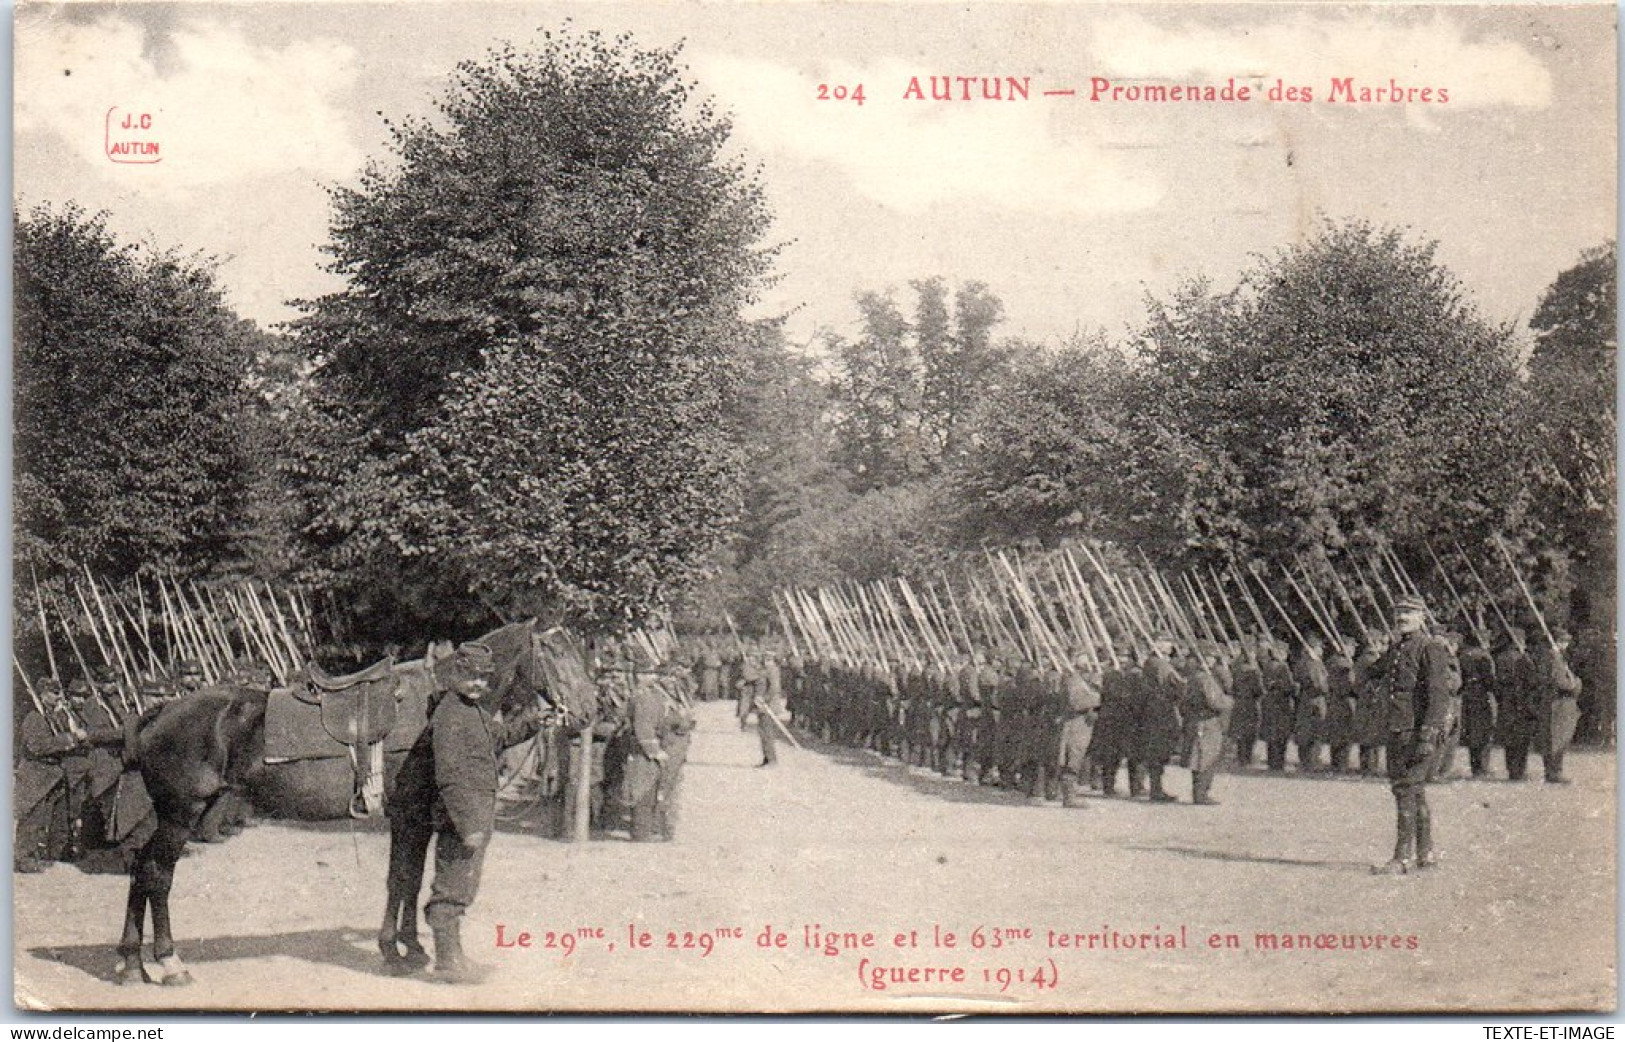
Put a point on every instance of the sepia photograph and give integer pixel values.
(908, 507)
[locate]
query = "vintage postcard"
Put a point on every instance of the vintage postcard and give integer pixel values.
(1034, 507)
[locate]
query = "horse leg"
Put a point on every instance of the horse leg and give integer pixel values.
(159, 878)
(130, 969)
(398, 938)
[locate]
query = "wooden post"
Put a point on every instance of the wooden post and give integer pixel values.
(578, 798)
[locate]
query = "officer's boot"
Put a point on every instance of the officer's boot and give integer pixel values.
(1404, 859)
(450, 964)
(1426, 857)
(1202, 789)
(1136, 779)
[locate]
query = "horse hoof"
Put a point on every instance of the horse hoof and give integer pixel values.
(131, 971)
(175, 975)
(416, 958)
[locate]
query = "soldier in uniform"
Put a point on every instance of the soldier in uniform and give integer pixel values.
(1310, 677)
(1558, 692)
(1205, 707)
(1077, 731)
(1371, 702)
(1421, 683)
(40, 787)
(768, 708)
(1340, 705)
(1516, 702)
(446, 787)
(1161, 730)
(1248, 693)
(660, 729)
(1478, 706)
(968, 734)
(1117, 727)
(710, 673)
(1275, 704)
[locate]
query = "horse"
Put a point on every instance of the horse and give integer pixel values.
(188, 752)
(191, 751)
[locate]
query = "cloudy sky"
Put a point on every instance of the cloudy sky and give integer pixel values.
(1070, 209)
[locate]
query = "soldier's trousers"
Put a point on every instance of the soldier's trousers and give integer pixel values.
(1275, 750)
(1517, 756)
(1408, 766)
(456, 880)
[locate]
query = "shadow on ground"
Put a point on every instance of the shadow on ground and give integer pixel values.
(348, 948)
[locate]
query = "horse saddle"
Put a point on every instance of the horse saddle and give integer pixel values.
(324, 716)
(357, 709)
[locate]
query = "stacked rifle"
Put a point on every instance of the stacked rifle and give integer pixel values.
(138, 635)
(1088, 606)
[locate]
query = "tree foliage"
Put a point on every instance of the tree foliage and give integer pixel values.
(1571, 408)
(520, 397)
(1346, 389)
(129, 395)
(905, 392)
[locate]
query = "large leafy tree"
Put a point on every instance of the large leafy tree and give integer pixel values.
(129, 374)
(1347, 389)
(521, 395)
(1571, 406)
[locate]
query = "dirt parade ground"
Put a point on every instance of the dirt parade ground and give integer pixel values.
(840, 881)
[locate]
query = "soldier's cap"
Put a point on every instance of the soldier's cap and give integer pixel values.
(475, 659)
(79, 687)
(1410, 605)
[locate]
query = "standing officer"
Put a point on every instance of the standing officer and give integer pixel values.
(1422, 679)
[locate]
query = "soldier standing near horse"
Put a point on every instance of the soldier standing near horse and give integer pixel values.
(446, 788)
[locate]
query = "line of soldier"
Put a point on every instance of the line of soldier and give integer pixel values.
(1002, 720)
(69, 757)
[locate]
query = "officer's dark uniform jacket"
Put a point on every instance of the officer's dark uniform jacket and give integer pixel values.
(1423, 675)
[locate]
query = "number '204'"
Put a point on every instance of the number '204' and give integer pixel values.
(840, 92)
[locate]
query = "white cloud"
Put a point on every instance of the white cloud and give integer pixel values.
(912, 155)
(224, 108)
(1372, 49)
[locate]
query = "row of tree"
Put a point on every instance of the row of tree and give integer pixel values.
(536, 393)
(1344, 396)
